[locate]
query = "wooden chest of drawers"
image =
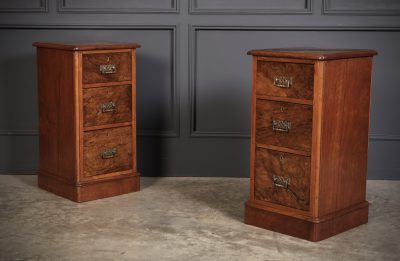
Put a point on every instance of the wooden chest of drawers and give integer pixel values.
(87, 119)
(309, 141)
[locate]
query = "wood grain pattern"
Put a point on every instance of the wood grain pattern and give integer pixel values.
(73, 134)
(57, 138)
(92, 62)
(333, 130)
(313, 54)
(253, 130)
(85, 46)
(48, 95)
(95, 190)
(93, 98)
(109, 188)
(300, 116)
(96, 142)
(306, 228)
(295, 167)
(134, 131)
(344, 140)
(319, 68)
(302, 79)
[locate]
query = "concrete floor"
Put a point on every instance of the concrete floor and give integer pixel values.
(176, 219)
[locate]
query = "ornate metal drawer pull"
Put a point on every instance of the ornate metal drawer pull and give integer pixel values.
(108, 68)
(281, 182)
(283, 126)
(108, 154)
(283, 81)
(108, 107)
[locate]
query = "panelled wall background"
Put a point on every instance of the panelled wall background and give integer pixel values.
(194, 77)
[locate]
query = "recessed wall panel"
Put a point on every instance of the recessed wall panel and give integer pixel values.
(23, 6)
(118, 6)
(368, 7)
(250, 6)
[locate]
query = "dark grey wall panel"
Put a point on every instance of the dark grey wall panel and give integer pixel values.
(366, 7)
(250, 6)
(22, 6)
(220, 84)
(18, 154)
(383, 159)
(118, 6)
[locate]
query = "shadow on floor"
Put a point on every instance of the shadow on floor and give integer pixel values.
(27, 180)
(227, 195)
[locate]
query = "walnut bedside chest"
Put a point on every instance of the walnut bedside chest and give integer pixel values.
(87, 119)
(309, 141)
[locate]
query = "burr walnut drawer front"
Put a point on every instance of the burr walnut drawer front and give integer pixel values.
(107, 105)
(282, 178)
(107, 150)
(291, 80)
(284, 124)
(107, 67)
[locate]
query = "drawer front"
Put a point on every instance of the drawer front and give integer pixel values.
(282, 178)
(107, 105)
(291, 80)
(107, 67)
(284, 124)
(106, 151)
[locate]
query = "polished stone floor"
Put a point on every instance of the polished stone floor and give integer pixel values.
(177, 219)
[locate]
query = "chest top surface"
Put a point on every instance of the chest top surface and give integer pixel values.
(72, 46)
(313, 53)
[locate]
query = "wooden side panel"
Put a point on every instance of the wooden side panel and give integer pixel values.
(48, 95)
(302, 76)
(294, 168)
(92, 63)
(344, 140)
(68, 142)
(299, 116)
(133, 103)
(107, 105)
(98, 155)
(57, 101)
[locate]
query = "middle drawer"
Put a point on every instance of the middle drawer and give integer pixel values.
(107, 105)
(284, 124)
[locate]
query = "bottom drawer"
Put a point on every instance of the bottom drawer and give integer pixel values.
(107, 150)
(282, 178)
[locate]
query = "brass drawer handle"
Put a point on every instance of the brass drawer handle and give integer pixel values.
(108, 107)
(283, 126)
(283, 81)
(281, 182)
(109, 153)
(108, 68)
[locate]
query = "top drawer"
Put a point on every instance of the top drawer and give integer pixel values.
(107, 67)
(291, 80)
